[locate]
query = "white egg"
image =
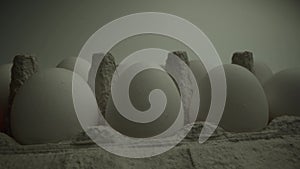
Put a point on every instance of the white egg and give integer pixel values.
(171, 119)
(5, 76)
(43, 109)
(246, 107)
(82, 68)
(262, 72)
(198, 69)
(283, 93)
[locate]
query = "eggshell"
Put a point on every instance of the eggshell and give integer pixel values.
(43, 109)
(198, 69)
(283, 93)
(262, 72)
(5, 76)
(246, 107)
(82, 68)
(141, 86)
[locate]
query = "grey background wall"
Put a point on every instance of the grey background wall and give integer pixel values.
(54, 30)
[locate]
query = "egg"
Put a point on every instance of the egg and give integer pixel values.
(283, 93)
(199, 72)
(82, 68)
(246, 107)
(5, 76)
(262, 72)
(43, 109)
(140, 88)
(1, 119)
(198, 69)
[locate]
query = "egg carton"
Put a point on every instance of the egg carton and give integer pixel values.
(276, 129)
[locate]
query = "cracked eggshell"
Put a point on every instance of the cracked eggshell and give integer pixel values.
(283, 93)
(170, 121)
(43, 109)
(246, 107)
(83, 66)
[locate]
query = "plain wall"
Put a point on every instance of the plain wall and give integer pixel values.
(55, 30)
